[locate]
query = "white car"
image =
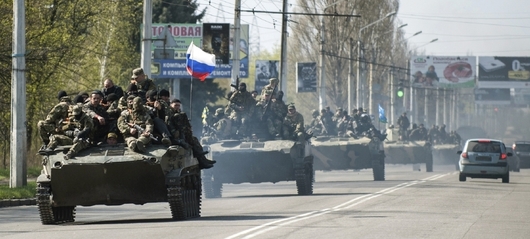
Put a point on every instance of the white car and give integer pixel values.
(484, 158)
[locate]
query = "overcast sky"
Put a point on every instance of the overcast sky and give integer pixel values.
(481, 28)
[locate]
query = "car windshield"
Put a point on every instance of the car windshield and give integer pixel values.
(484, 147)
(522, 147)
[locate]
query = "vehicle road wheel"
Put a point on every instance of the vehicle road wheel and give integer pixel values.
(462, 177)
(506, 178)
(212, 188)
(428, 165)
(304, 180)
(378, 168)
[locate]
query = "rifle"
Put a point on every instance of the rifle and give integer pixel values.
(140, 131)
(236, 86)
(323, 125)
(267, 106)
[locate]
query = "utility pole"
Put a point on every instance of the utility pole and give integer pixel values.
(237, 37)
(147, 37)
(283, 60)
(350, 79)
(359, 78)
(322, 97)
(392, 96)
(18, 145)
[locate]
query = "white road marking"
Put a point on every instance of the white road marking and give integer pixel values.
(255, 231)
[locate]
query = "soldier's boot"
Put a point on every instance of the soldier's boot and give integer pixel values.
(140, 146)
(49, 149)
(69, 155)
(132, 145)
(180, 143)
(204, 163)
(166, 140)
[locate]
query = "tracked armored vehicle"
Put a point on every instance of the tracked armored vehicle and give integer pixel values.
(255, 161)
(407, 152)
(115, 175)
(341, 153)
(444, 154)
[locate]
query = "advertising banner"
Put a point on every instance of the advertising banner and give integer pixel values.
(492, 96)
(174, 38)
(169, 59)
(216, 40)
(306, 77)
(443, 71)
(504, 72)
(264, 71)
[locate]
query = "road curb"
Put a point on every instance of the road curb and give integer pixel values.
(18, 202)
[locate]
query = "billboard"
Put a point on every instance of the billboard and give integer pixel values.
(306, 77)
(178, 38)
(265, 70)
(504, 72)
(215, 40)
(492, 96)
(443, 71)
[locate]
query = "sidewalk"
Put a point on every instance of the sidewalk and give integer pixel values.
(16, 202)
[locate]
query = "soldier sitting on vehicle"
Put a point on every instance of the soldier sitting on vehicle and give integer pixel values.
(136, 125)
(180, 127)
(158, 110)
(315, 125)
(56, 115)
(454, 138)
(293, 125)
(222, 125)
(74, 131)
(418, 134)
(241, 106)
(268, 116)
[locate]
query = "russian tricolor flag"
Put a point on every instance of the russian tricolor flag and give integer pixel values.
(199, 64)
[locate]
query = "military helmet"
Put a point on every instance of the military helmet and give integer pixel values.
(274, 80)
(365, 118)
(291, 106)
(315, 113)
(76, 110)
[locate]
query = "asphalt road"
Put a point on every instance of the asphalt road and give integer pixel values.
(345, 204)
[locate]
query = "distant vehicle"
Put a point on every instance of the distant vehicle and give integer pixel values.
(521, 149)
(471, 132)
(484, 158)
(513, 161)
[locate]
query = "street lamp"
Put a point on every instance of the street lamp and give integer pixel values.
(360, 72)
(433, 40)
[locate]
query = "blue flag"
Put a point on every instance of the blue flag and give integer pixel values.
(382, 117)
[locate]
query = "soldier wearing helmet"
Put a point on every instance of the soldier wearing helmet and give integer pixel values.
(293, 125)
(241, 106)
(223, 125)
(56, 115)
(315, 124)
(74, 131)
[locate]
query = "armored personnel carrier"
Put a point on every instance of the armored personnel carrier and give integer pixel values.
(444, 154)
(407, 152)
(256, 161)
(115, 175)
(343, 153)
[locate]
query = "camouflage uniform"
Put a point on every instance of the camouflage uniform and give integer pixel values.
(268, 117)
(136, 114)
(58, 113)
(180, 127)
(75, 130)
(315, 124)
(223, 126)
(242, 104)
(99, 131)
(293, 125)
(270, 88)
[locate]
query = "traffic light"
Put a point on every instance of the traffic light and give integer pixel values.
(400, 91)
